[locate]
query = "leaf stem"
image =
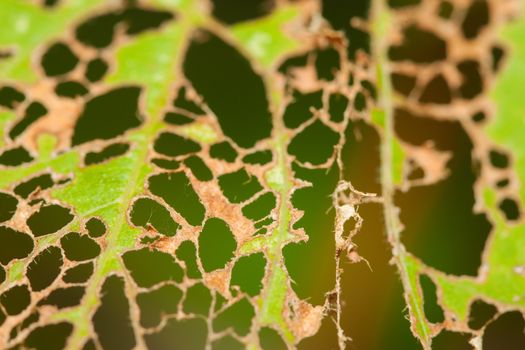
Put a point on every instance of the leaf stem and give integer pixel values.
(393, 226)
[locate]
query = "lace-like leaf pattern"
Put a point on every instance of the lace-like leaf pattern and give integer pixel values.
(220, 175)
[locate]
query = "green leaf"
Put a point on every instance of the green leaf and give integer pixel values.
(174, 174)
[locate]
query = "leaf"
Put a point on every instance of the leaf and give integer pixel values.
(498, 261)
(181, 172)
